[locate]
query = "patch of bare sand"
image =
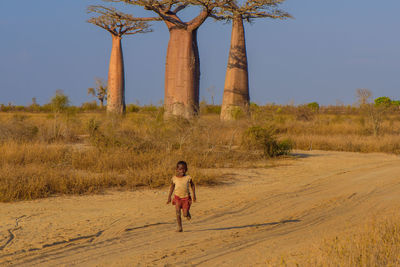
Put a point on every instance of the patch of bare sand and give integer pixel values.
(261, 213)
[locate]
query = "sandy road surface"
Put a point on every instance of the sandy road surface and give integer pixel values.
(259, 213)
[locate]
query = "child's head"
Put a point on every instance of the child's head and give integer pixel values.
(181, 168)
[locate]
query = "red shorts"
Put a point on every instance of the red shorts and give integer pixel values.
(182, 203)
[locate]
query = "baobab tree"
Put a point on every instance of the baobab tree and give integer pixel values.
(236, 90)
(117, 24)
(100, 91)
(182, 67)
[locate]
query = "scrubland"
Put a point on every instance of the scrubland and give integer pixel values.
(47, 154)
(76, 152)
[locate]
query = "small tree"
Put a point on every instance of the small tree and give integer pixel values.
(314, 106)
(100, 91)
(59, 104)
(373, 112)
(34, 106)
(363, 96)
(118, 24)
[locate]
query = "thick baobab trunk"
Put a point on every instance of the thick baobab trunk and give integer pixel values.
(236, 91)
(116, 79)
(182, 74)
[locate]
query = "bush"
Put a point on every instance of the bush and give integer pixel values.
(210, 109)
(304, 113)
(314, 106)
(132, 108)
(59, 102)
(383, 101)
(396, 103)
(260, 138)
(5, 108)
(46, 108)
(149, 109)
(89, 106)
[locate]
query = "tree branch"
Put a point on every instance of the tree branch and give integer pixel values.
(251, 9)
(197, 21)
(116, 22)
(179, 8)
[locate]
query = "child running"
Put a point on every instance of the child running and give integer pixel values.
(182, 200)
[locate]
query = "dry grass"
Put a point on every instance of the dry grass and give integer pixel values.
(345, 130)
(378, 244)
(74, 153)
(89, 153)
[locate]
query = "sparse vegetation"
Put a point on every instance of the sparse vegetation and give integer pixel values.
(92, 152)
(259, 138)
(99, 91)
(378, 244)
(87, 151)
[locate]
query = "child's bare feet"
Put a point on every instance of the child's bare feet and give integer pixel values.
(188, 217)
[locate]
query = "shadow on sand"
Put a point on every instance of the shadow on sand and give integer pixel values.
(146, 226)
(303, 155)
(250, 225)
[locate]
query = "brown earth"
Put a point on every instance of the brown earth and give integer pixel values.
(258, 213)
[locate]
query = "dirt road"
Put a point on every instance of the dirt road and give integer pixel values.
(258, 213)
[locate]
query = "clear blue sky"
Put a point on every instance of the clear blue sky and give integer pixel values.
(329, 50)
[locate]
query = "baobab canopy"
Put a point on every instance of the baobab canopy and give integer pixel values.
(250, 9)
(116, 22)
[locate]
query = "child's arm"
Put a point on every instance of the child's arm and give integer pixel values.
(193, 190)
(171, 189)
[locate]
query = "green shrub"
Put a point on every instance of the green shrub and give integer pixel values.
(210, 109)
(19, 108)
(45, 108)
(149, 108)
(5, 108)
(260, 138)
(89, 106)
(396, 103)
(132, 108)
(59, 102)
(285, 146)
(383, 101)
(314, 106)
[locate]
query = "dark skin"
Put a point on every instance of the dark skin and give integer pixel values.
(181, 172)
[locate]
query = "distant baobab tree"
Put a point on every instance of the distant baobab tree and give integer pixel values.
(100, 91)
(182, 68)
(118, 24)
(236, 90)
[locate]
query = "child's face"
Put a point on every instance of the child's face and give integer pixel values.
(181, 170)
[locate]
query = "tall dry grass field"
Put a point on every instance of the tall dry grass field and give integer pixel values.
(43, 154)
(334, 128)
(86, 153)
